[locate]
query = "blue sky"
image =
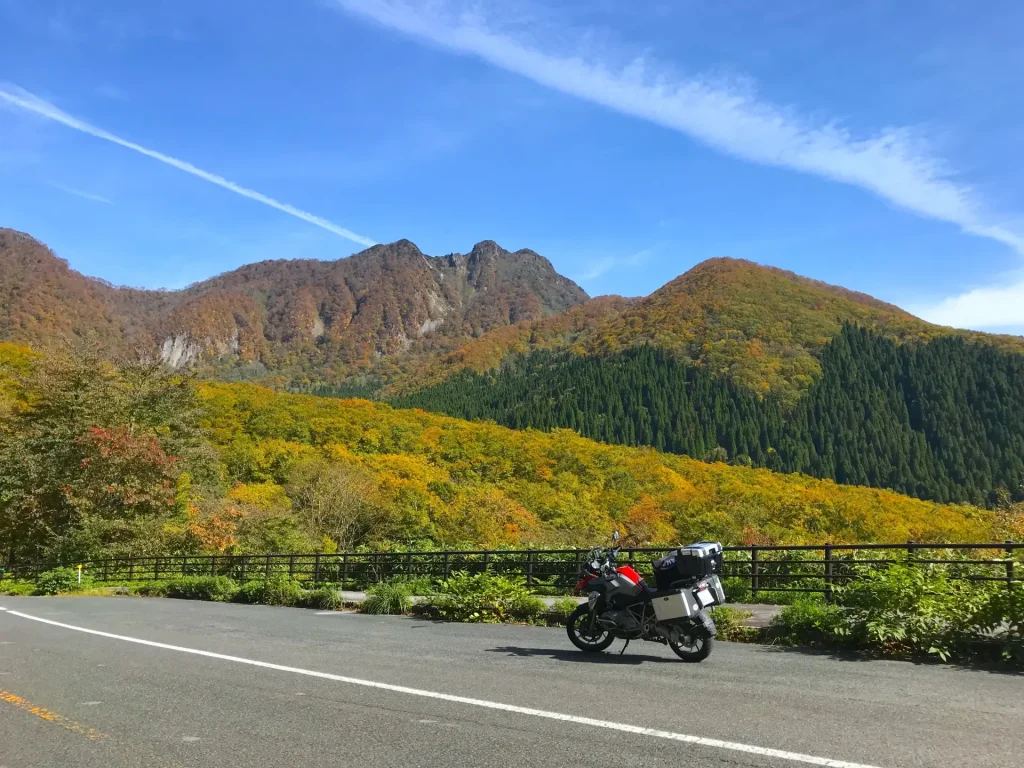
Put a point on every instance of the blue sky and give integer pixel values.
(874, 145)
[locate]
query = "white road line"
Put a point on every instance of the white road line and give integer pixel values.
(607, 724)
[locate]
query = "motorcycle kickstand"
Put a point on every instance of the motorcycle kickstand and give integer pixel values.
(624, 647)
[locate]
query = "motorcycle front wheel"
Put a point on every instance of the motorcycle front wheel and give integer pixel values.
(585, 634)
(698, 648)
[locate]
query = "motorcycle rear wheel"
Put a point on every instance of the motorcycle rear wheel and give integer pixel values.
(699, 649)
(582, 636)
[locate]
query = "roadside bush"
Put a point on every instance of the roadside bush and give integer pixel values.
(148, 588)
(913, 611)
(484, 597)
(215, 588)
(278, 590)
(323, 599)
(730, 624)
(562, 608)
(59, 580)
(21, 588)
(809, 622)
(906, 610)
(388, 598)
(1000, 622)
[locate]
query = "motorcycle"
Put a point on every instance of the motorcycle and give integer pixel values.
(621, 605)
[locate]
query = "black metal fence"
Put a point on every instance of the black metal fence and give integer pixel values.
(753, 571)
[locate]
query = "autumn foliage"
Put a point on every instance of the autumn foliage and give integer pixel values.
(98, 459)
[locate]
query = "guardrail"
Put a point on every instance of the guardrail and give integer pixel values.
(752, 569)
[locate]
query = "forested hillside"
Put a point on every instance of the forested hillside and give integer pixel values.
(761, 327)
(100, 459)
(292, 322)
(941, 420)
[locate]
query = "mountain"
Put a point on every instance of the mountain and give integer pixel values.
(940, 420)
(485, 353)
(296, 319)
(762, 327)
(758, 366)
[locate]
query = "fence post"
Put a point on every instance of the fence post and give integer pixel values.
(131, 568)
(213, 565)
(245, 563)
(755, 570)
(291, 566)
(316, 569)
(344, 569)
(266, 569)
(828, 573)
(529, 568)
(184, 564)
(156, 568)
(446, 565)
(487, 560)
(408, 565)
(1009, 564)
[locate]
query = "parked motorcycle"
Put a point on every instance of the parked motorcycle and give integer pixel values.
(621, 604)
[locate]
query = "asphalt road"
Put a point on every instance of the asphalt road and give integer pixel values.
(70, 698)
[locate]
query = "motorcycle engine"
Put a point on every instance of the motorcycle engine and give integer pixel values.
(621, 620)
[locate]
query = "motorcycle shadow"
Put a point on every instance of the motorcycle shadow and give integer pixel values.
(565, 654)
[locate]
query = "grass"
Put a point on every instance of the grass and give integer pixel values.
(388, 598)
(18, 588)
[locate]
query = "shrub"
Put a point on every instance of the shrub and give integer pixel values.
(562, 608)
(484, 597)
(910, 610)
(323, 599)
(20, 588)
(215, 588)
(148, 588)
(59, 580)
(279, 590)
(809, 622)
(1001, 620)
(388, 597)
(730, 623)
(527, 608)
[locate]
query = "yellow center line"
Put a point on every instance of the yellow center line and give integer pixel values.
(51, 717)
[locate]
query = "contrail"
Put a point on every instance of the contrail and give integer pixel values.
(31, 103)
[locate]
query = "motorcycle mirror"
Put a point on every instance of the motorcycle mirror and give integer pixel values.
(615, 536)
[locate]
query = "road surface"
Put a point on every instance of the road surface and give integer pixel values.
(173, 683)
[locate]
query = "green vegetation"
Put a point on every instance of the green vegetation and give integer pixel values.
(730, 624)
(58, 580)
(273, 591)
(216, 588)
(913, 612)
(388, 598)
(943, 420)
(562, 608)
(325, 598)
(485, 598)
(17, 588)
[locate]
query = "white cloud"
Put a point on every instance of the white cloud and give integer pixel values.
(980, 308)
(729, 116)
(79, 193)
(603, 265)
(23, 100)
